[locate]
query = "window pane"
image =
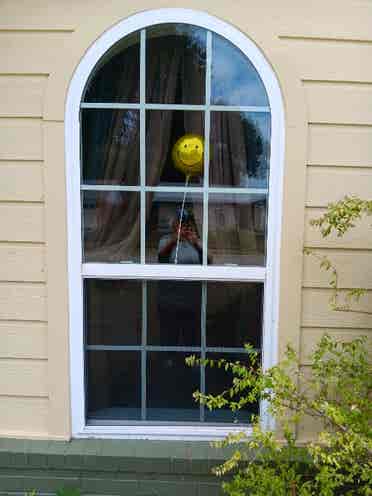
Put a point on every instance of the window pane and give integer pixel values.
(163, 130)
(116, 76)
(170, 384)
(240, 149)
(173, 313)
(113, 312)
(237, 229)
(113, 385)
(234, 314)
(218, 380)
(174, 235)
(235, 81)
(111, 226)
(110, 140)
(175, 64)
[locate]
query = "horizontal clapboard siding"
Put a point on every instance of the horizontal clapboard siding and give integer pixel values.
(330, 60)
(23, 301)
(30, 52)
(23, 415)
(344, 181)
(334, 19)
(23, 377)
(354, 269)
(339, 103)
(23, 340)
(312, 336)
(316, 311)
(21, 96)
(359, 237)
(340, 145)
(21, 181)
(342, 19)
(22, 222)
(22, 263)
(21, 139)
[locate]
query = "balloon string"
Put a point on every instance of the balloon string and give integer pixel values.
(180, 219)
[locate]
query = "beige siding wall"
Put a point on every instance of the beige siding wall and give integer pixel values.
(23, 319)
(330, 46)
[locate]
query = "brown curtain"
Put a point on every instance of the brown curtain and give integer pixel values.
(235, 149)
(118, 221)
(117, 214)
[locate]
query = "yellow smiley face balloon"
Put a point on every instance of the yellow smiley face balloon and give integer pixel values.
(187, 154)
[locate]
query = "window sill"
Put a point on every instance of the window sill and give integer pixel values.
(168, 432)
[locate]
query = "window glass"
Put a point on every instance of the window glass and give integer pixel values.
(161, 167)
(116, 76)
(113, 385)
(174, 313)
(111, 226)
(235, 81)
(237, 229)
(170, 384)
(113, 312)
(175, 228)
(138, 334)
(110, 146)
(240, 149)
(217, 379)
(175, 64)
(170, 179)
(234, 314)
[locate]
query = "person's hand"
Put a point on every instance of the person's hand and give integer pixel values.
(191, 236)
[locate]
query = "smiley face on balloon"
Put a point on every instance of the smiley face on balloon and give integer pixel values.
(187, 154)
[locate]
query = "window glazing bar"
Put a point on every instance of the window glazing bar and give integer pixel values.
(203, 346)
(174, 189)
(237, 108)
(217, 349)
(173, 272)
(108, 187)
(175, 349)
(181, 349)
(144, 352)
(207, 127)
(174, 106)
(143, 144)
(239, 191)
(170, 106)
(113, 106)
(143, 218)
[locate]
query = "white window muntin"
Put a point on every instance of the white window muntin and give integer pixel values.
(78, 271)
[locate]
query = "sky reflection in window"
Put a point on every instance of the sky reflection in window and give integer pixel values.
(235, 81)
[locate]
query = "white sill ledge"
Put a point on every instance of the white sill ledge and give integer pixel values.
(161, 433)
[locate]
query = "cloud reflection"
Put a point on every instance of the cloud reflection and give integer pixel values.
(234, 79)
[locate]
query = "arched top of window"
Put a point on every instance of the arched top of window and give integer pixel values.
(182, 50)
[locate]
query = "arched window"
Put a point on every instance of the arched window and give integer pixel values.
(173, 221)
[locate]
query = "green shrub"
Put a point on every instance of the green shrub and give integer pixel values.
(337, 394)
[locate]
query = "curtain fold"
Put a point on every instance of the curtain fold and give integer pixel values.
(234, 150)
(117, 217)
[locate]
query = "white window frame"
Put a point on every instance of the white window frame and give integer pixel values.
(77, 271)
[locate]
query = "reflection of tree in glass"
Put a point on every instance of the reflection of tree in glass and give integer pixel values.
(195, 41)
(253, 144)
(128, 127)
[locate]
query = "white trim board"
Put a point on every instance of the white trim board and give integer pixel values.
(270, 274)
